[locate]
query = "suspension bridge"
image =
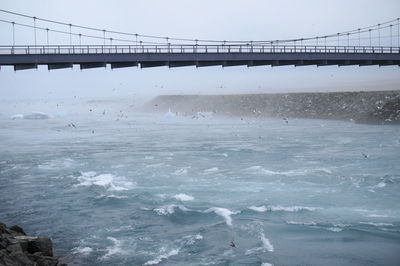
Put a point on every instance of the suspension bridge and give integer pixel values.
(91, 47)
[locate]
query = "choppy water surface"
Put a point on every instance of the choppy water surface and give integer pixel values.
(144, 189)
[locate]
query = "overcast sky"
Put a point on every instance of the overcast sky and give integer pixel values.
(205, 19)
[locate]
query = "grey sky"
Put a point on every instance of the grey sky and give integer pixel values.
(233, 19)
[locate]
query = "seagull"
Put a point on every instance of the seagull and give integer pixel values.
(233, 244)
(365, 155)
(286, 120)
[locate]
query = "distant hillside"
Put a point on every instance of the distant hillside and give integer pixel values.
(382, 107)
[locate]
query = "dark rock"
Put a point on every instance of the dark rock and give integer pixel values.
(17, 249)
(17, 229)
(379, 107)
(386, 113)
(41, 244)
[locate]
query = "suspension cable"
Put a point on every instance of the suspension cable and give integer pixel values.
(136, 35)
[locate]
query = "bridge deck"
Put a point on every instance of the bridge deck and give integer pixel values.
(56, 57)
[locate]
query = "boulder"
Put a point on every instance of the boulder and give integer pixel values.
(17, 249)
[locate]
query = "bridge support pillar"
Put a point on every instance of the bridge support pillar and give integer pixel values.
(92, 65)
(182, 64)
(152, 64)
(208, 63)
(25, 66)
(58, 66)
(123, 64)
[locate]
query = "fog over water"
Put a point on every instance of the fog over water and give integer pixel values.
(223, 180)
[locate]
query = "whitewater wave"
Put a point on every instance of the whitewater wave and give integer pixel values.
(112, 196)
(155, 165)
(334, 229)
(211, 170)
(169, 209)
(191, 239)
(377, 224)
(276, 208)
(82, 250)
(108, 181)
(164, 255)
(115, 248)
(183, 197)
(330, 227)
(224, 213)
(258, 209)
(266, 245)
(301, 223)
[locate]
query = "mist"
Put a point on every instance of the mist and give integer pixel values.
(217, 165)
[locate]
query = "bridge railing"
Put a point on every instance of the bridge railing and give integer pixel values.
(188, 49)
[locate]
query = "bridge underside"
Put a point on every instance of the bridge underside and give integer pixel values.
(146, 60)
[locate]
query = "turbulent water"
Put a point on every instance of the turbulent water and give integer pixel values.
(119, 188)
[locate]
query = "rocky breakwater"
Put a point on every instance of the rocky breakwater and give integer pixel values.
(18, 249)
(377, 107)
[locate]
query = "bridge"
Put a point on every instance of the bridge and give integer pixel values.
(354, 47)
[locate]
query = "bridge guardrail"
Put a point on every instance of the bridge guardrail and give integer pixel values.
(189, 49)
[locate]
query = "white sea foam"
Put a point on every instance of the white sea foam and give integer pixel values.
(261, 170)
(380, 185)
(190, 240)
(116, 248)
(108, 181)
(266, 264)
(112, 196)
(291, 208)
(334, 229)
(257, 169)
(301, 223)
(149, 157)
(377, 224)
(183, 197)
(82, 250)
(224, 213)
(182, 171)
(211, 170)
(373, 215)
(155, 165)
(164, 255)
(266, 243)
(258, 209)
(169, 209)
(281, 208)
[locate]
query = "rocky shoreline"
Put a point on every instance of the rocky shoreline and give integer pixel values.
(18, 249)
(376, 107)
